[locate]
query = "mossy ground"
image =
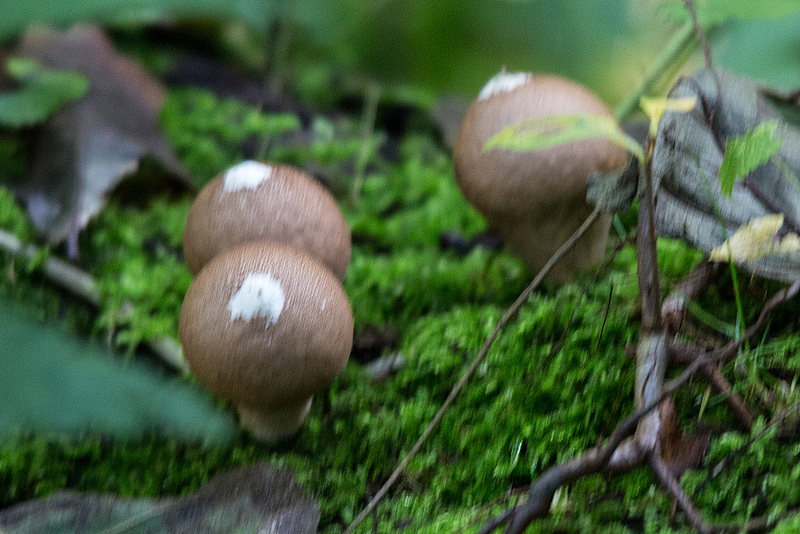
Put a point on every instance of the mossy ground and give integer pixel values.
(551, 386)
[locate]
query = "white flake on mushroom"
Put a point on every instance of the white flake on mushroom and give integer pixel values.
(503, 82)
(260, 295)
(246, 175)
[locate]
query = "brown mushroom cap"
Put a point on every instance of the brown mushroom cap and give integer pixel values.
(266, 326)
(253, 201)
(536, 200)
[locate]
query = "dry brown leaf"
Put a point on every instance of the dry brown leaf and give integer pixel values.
(88, 147)
(248, 500)
(680, 451)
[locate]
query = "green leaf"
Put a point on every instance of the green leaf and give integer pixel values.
(765, 50)
(556, 130)
(43, 91)
(55, 385)
(714, 12)
(22, 15)
(746, 152)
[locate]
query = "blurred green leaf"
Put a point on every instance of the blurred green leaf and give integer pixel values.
(547, 132)
(746, 152)
(43, 91)
(765, 50)
(713, 12)
(53, 384)
(19, 16)
(249, 500)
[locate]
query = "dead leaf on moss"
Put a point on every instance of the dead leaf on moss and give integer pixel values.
(88, 147)
(689, 152)
(680, 451)
(755, 240)
(250, 500)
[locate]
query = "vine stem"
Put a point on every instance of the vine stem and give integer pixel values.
(505, 319)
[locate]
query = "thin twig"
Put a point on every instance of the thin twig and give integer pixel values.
(371, 101)
(700, 32)
(596, 459)
(605, 319)
(508, 316)
(85, 287)
(671, 484)
(58, 271)
(734, 401)
(726, 462)
(560, 343)
(675, 305)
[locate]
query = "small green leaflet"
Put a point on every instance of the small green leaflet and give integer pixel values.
(714, 12)
(746, 152)
(42, 92)
(546, 132)
(789, 525)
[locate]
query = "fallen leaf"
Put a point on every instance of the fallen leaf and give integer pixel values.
(680, 451)
(689, 153)
(250, 500)
(89, 146)
(755, 240)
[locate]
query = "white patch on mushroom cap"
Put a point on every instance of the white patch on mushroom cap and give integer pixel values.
(260, 295)
(503, 82)
(246, 175)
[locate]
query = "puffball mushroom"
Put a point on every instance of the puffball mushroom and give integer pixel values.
(535, 200)
(266, 326)
(253, 201)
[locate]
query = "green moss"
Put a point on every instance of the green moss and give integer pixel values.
(208, 134)
(138, 260)
(12, 217)
(555, 382)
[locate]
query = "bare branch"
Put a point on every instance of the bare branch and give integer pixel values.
(668, 481)
(734, 401)
(674, 307)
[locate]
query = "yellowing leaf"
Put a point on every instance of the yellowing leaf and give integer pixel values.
(789, 244)
(755, 240)
(554, 130)
(655, 107)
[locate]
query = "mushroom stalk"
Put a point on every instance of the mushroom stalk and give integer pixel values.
(276, 425)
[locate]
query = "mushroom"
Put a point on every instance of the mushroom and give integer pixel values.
(535, 200)
(253, 201)
(266, 326)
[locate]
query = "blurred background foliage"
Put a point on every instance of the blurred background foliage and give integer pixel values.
(456, 45)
